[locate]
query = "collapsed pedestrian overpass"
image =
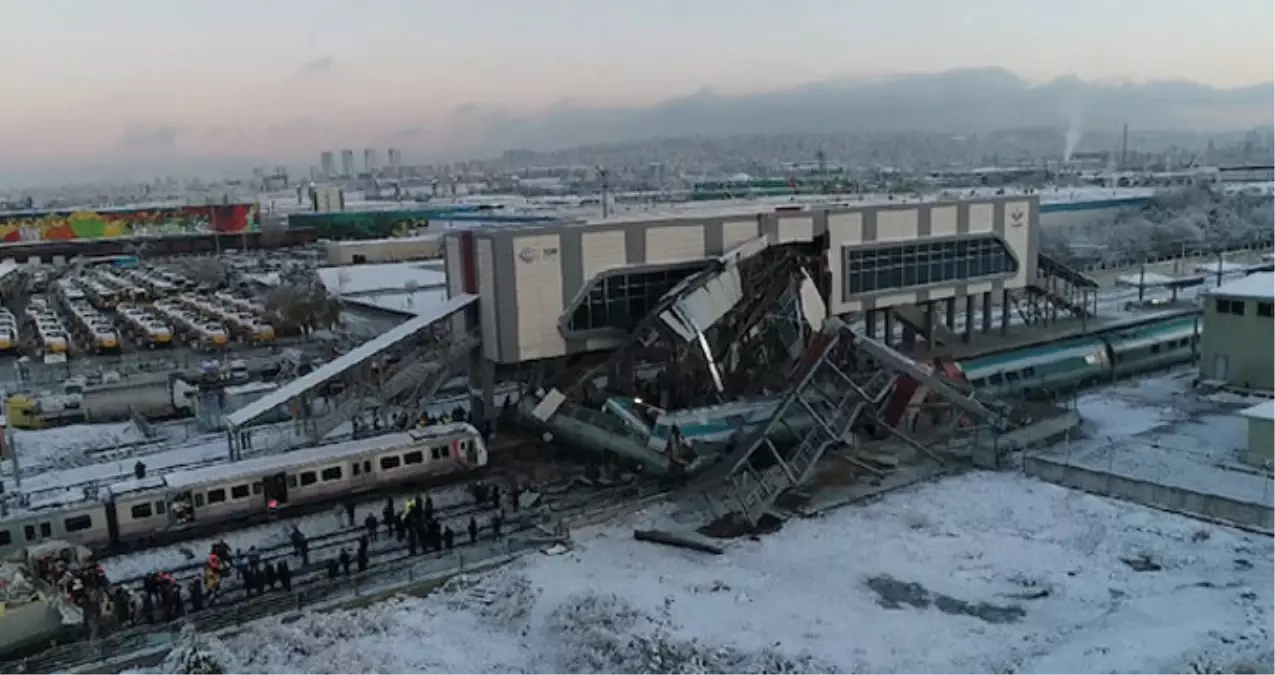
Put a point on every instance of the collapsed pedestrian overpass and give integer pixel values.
(405, 367)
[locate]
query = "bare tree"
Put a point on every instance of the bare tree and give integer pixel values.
(207, 271)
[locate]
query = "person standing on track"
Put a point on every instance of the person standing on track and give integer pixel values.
(370, 524)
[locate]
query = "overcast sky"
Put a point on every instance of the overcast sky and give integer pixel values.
(82, 79)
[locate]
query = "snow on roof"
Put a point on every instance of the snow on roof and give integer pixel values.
(1152, 279)
(346, 361)
(352, 279)
(309, 457)
(1262, 411)
(112, 471)
(1259, 286)
(7, 268)
(420, 302)
(1223, 266)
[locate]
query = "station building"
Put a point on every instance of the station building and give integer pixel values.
(1238, 329)
(563, 289)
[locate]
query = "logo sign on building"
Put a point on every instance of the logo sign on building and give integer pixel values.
(528, 255)
(1017, 218)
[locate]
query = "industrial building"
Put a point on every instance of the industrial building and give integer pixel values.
(1261, 433)
(1238, 327)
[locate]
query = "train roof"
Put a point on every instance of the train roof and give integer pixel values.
(311, 456)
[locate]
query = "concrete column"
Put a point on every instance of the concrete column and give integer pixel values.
(968, 334)
(482, 387)
(889, 327)
(1004, 312)
(870, 323)
(949, 313)
(929, 325)
(987, 311)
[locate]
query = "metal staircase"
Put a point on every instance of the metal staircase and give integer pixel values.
(834, 400)
(843, 381)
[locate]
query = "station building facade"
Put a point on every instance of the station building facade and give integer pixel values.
(557, 290)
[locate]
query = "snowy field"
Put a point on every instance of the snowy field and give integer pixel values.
(1158, 429)
(983, 572)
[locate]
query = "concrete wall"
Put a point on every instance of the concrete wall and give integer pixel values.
(1261, 442)
(1237, 349)
(1166, 497)
(383, 250)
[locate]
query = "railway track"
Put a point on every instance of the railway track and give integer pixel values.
(389, 567)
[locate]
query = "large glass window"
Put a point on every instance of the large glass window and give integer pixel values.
(620, 301)
(920, 263)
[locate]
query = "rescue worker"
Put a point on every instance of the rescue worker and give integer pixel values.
(285, 575)
(473, 530)
(334, 568)
(272, 508)
(387, 516)
(495, 526)
(362, 559)
(345, 561)
(429, 506)
(370, 524)
(449, 538)
(495, 496)
(139, 470)
(148, 607)
(196, 595)
(339, 512)
(412, 535)
(268, 576)
(349, 511)
(514, 494)
(435, 535)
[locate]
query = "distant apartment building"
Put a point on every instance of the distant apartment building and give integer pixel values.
(327, 167)
(369, 161)
(347, 163)
(396, 160)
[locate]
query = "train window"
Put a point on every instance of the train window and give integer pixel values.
(217, 496)
(5, 538)
(141, 511)
(29, 531)
(356, 468)
(1155, 349)
(159, 507)
(414, 457)
(1266, 309)
(1011, 376)
(978, 383)
(308, 478)
(46, 529)
(77, 523)
(437, 452)
(331, 473)
(257, 488)
(199, 499)
(390, 462)
(1029, 372)
(292, 480)
(367, 466)
(239, 491)
(996, 379)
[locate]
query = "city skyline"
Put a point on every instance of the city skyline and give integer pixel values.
(152, 81)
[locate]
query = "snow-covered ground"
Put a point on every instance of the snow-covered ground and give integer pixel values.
(983, 572)
(1157, 429)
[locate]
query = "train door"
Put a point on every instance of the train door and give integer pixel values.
(276, 486)
(181, 508)
(471, 452)
(112, 522)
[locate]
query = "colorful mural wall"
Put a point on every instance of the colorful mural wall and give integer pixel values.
(35, 226)
(402, 222)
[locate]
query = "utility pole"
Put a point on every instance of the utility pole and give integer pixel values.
(1124, 146)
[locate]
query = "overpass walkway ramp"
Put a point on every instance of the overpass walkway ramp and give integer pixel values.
(843, 381)
(427, 357)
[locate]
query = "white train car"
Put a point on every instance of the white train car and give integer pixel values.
(186, 503)
(10, 338)
(145, 326)
(93, 328)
